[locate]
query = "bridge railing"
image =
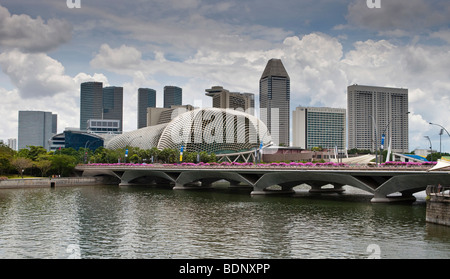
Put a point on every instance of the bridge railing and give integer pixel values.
(438, 190)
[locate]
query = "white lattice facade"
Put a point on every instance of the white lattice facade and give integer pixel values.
(214, 130)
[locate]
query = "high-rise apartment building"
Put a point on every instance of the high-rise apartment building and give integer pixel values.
(12, 143)
(146, 99)
(91, 102)
(113, 104)
(173, 96)
(374, 112)
(35, 128)
(222, 98)
(319, 127)
(274, 101)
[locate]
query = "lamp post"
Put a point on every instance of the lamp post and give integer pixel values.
(376, 141)
(440, 134)
(431, 147)
(385, 129)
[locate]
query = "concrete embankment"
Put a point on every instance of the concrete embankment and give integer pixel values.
(50, 182)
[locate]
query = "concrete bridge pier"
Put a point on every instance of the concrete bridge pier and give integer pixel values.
(404, 197)
(337, 188)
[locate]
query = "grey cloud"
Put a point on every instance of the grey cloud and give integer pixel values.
(32, 35)
(409, 15)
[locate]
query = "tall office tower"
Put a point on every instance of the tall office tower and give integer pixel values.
(376, 111)
(274, 101)
(172, 96)
(113, 104)
(146, 99)
(319, 126)
(223, 98)
(91, 102)
(35, 129)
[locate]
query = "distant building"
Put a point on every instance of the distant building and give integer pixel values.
(76, 139)
(274, 101)
(12, 143)
(97, 102)
(104, 126)
(146, 99)
(173, 96)
(319, 126)
(222, 98)
(157, 116)
(384, 106)
(35, 128)
(113, 104)
(91, 102)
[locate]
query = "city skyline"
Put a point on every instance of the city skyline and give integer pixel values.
(325, 45)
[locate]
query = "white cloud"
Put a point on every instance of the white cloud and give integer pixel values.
(35, 74)
(124, 57)
(33, 35)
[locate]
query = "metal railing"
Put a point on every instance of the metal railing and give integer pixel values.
(438, 190)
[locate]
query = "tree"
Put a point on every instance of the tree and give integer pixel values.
(21, 164)
(63, 164)
(6, 155)
(44, 165)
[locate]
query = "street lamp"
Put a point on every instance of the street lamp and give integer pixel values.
(376, 141)
(385, 129)
(441, 127)
(431, 147)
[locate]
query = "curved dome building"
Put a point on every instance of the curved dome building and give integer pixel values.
(214, 130)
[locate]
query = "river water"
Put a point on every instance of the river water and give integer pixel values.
(147, 222)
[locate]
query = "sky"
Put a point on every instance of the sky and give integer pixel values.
(49, 47)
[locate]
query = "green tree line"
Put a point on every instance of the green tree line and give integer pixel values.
(36, 161)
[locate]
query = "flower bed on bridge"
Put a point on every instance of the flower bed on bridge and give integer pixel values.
(387, 165)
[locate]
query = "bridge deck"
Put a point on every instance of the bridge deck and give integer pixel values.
(380, 181)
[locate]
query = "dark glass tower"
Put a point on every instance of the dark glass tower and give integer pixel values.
(113, 104)
(146, 99)
(91, 102)
(274, 101)
(172, 96)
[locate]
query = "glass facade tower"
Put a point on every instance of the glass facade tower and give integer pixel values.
(274, 101)
(113, 104)
(146, 99)
(91, 102)
(173, 96)
(35, 128)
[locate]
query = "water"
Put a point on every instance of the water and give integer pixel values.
(143, 222)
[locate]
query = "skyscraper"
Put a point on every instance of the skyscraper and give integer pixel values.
(97, 102)
(91, 102)
(35, 128)
(384, 106)
(173, 96)
(113, 104)
(319, 126)
(274, 101)
(146, 99)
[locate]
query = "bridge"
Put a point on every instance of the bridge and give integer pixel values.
(382, 182)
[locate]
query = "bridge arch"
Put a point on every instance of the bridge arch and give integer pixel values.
(209, 177)
(315, 179)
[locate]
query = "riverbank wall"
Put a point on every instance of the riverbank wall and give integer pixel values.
(52, 182)
(438, 205)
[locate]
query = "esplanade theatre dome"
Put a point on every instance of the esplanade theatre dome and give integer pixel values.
(214, 130)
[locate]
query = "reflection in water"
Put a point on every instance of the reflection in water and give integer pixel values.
(143, 222)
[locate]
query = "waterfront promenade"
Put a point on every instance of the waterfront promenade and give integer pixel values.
(280, 178)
